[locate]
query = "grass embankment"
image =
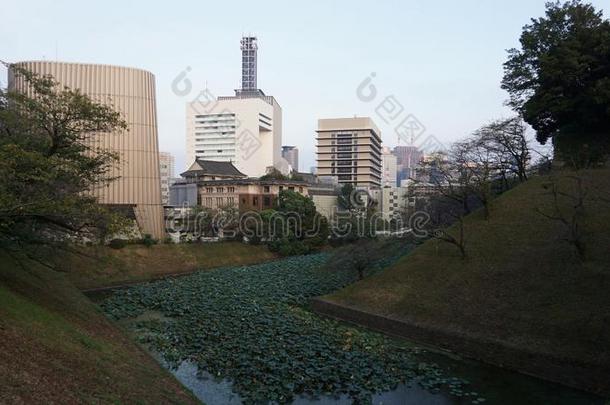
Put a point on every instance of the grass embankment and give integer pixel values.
(57, 347)
(521, 285)
(102, 266)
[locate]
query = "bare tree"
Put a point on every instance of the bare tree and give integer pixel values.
(444, 191)
(477, 163)
(569, 217)
(507, 140)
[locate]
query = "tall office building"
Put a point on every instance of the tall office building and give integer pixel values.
(245, 129)
(388, 168)
(407, 160)
(166, 172)
(131, 92)
(291, 154)
(350, 149)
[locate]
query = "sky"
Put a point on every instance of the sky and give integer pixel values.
(437, 61)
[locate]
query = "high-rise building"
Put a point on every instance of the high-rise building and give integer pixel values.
(407, 160)
(291, 154)
(388, 168)
(245, 129)
(131, 92)
(350, 149)
(166, 173)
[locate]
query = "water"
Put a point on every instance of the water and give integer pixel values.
(212, 392)
(497, 386)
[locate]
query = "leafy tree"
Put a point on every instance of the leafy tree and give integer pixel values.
(295, 225)
(560, 80)
(345, 199)
(274, 174)
(49, 166)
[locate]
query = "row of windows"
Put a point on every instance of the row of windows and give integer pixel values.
(220, 189)
(344, 170)
(220, 201)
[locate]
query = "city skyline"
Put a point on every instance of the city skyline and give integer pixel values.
(451, 89)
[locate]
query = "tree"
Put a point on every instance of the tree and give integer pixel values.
(274, 174)
(49, 166)
(359, 258)
(507, 142)
(294, 227)
(559, 80)
(346, 196)
(568, 209)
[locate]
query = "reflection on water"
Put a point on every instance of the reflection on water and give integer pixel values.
(498, 386)
(214, 392)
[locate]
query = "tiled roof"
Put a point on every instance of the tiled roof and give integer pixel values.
(213, 168)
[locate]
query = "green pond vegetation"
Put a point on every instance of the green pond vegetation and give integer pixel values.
(250, 325)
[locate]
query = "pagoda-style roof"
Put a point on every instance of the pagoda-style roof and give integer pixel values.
(212, 168)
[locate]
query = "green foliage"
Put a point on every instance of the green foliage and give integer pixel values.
(294, 227)
(345, 197)
(249, 325)
(560, 78)
(274, 174)
(147, 240)
(48, 164)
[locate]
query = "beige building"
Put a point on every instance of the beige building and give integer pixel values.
(131, 92)
(389, 168)
(350, 149)
(166, 172)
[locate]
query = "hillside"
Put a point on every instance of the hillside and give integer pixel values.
(57, 347)
(521, 286)
(101, 266)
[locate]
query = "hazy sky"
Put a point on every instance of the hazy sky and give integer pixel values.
(441, 60)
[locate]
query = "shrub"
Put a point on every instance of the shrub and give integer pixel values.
(117, 243)
(148, 240)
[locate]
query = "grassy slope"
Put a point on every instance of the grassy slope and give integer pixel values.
(103, 266)
(520, 285)
(57, 347)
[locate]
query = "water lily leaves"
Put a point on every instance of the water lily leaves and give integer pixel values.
(249, 325)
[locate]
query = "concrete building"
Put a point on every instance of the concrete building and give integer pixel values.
(131, 92)
(291, 154)
(184, 191)
(393, 201)
(245, 194)
(350, 149)
(407, 161)
(166, 172)
(245, 129)
(389, 168)
(216, 185)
